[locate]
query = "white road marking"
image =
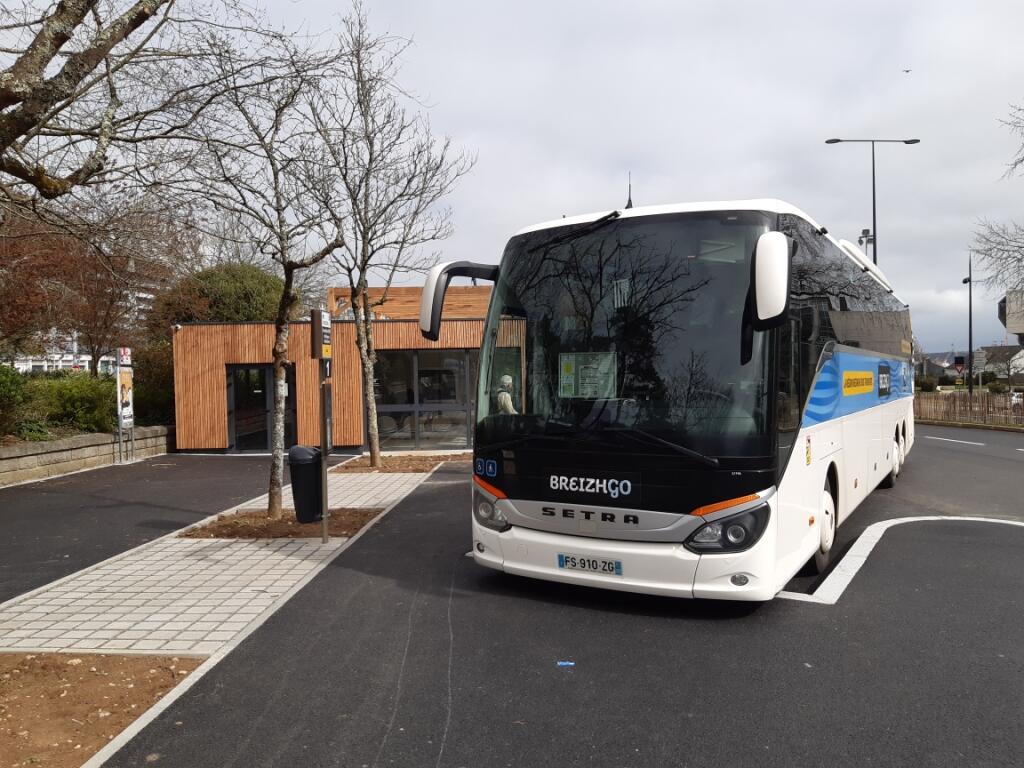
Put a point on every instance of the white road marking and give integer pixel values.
(1021, 450)
(833, 587)
(951, 440)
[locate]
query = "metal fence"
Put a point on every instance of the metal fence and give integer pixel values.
(959, 407)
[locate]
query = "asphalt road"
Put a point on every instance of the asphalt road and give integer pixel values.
(55, 527)
(403, 652)
(968, 472)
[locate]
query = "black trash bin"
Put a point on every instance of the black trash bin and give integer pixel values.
(304, 464)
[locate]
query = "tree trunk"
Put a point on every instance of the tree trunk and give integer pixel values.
(284, 309)
(94, 362)
(367, 358)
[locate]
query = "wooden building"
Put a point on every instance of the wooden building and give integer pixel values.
(425, 391)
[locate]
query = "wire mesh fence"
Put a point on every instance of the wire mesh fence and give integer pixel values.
(961, 408)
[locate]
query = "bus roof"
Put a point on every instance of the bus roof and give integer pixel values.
(765, 204)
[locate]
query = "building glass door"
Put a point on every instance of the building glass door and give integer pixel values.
(251, 407)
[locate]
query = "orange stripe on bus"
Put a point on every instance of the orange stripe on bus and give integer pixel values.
(490, 488)
(707, 509)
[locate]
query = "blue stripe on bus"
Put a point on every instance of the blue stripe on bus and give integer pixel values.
(850, 382)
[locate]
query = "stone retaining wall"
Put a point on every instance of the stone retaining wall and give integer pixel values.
(38, 460)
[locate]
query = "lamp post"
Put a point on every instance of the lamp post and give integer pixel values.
(874, 207)
(970, 329)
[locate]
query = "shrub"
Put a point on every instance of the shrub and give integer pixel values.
(12, 395)
(927, 384)
(946, 380)
(997, 388)
(76, 400)
(33, 430)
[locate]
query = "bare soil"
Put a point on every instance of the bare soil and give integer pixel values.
(58, 709)
(255, 524)
(404, 463)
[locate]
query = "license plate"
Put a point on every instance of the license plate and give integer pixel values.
(590, 564)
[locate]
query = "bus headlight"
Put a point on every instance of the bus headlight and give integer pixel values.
(734, 533)
(487, 513)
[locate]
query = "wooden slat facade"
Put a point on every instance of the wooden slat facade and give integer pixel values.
(461, 302)
(202, 352)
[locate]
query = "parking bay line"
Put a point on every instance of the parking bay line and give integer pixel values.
(833, 587)
(951, 440)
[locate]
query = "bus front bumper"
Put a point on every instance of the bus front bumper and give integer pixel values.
(650, 568)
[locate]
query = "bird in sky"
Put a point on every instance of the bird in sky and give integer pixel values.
(906, 71)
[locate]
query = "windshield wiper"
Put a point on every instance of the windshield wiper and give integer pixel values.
(583, 229)
(711, 461)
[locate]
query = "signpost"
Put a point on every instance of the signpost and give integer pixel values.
(320, 344)
(125, 406)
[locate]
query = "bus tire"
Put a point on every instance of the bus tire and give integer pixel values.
(829, 515)
(894, 469)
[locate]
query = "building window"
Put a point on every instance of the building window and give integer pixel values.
(424, 398)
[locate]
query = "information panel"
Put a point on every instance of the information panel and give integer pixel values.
(589, 375)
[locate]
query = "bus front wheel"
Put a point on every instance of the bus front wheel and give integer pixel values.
(823, 556)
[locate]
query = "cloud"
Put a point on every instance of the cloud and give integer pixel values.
(716, 100)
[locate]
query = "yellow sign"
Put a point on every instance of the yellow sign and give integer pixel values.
(858, 382)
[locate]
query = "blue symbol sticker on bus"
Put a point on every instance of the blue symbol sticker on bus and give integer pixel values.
(478, 467)
(491, 468)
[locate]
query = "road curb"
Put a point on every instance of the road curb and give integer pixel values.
(991, 427)
(137, 725)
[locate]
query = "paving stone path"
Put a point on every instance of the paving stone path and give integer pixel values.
(184, 596)
(177, 596)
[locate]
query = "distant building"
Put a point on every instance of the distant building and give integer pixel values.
(1005, 361)
(1011, 313)
(61, 353)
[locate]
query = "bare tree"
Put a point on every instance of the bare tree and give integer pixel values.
(999, 252)
(252, 167)
(88, 87)
(382, 177)
(999, 247)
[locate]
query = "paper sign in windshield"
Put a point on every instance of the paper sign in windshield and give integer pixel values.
(589, 375)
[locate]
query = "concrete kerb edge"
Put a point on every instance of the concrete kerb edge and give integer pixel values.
(959, 425)
(120, 555)
(135, 727)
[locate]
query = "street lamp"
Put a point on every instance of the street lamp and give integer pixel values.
(874, 210)
(970, 329)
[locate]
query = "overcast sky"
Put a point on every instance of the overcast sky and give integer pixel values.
(729, 100)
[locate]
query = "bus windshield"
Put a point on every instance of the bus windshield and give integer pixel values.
(630, 334)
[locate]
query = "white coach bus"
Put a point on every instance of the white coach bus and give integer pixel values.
(681, 400)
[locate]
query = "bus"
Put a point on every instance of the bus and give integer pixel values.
(681, 400)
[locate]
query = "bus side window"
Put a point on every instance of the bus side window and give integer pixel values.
(788, 403)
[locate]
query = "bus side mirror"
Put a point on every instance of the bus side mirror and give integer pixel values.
(436, 285)
(771, 280)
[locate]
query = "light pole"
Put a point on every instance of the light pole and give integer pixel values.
(874, 207)
(970, 329)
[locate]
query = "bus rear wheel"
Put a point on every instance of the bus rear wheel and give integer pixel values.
(823, 557)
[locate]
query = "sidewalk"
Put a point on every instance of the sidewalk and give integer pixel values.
(184, 596)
